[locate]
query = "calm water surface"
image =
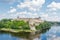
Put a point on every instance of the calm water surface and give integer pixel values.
(52, 34)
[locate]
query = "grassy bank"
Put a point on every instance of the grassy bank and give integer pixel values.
(20, 25)
(14, 30)
(43, 25)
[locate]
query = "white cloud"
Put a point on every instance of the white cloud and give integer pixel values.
(38, 2)
(50, 17)
(44, 15)
(3, 16)
(53, 18)
(35, 14)
(54, 6)
(12, 10)
(54, 13)
(27, 14)
(22, 5)
(31, 5)
(22, 13)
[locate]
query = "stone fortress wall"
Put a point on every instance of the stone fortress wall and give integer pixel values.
(32, 21)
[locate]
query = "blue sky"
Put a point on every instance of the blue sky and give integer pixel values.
(46, 9)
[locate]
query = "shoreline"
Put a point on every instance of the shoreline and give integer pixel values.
(18, 31)
(14, 30)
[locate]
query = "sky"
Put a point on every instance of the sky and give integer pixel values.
(46, 9)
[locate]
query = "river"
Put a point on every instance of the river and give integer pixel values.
(52, 34)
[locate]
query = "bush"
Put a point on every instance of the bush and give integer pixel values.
(43, 25)
(20, 24)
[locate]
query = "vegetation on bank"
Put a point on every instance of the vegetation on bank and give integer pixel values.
(20, 25)
(14, 24)
(43, 25)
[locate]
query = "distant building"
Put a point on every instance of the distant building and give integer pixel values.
(32, 21)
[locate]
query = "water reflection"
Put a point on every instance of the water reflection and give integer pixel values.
(22, 35)
(52, 34)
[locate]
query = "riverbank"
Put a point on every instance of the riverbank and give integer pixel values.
(14, 30)
(21, 26)
(18, 31)
(54, 31)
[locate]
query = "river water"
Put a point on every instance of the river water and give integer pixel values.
(52, 34)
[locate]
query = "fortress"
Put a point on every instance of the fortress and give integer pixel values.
(32, 21)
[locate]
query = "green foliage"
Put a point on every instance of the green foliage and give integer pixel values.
(14, 24)
(43, 25)
(21, 24)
